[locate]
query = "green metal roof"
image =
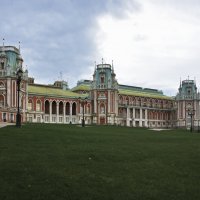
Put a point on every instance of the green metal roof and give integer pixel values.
(53, 92)
(81, 87)
(144, 94)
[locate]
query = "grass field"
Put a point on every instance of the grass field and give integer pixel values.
(43, 161)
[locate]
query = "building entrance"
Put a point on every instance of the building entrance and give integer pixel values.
(102, 120)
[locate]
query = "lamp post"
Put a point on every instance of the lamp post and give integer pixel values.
(191, 113)
(83, 102)
(19, 78)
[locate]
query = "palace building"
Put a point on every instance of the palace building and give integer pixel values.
(101, 100)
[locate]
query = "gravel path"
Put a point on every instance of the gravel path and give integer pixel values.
(5, 124)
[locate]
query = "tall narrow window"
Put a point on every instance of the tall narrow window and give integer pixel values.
(1, 101)
(2, 65)
(102, 79)
(74, 108)
(54, 108)
(38, 105)
(61, 108)
(102, 108)
(67, 108)
(46, 107)
(30, 104)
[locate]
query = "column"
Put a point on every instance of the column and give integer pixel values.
(70, 117)
(184, 113)
(57, 112)
(146, 118)
(128, 117)
(140, 122)
(95, 102)
(133, 116)
(64, 114)
(50, 111)
(108, 111)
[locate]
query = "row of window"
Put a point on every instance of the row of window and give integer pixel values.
(144, 101)
(7, 117)
(53, 107)
(53, 119)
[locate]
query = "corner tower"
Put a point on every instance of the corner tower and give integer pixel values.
(188, 99)
(104, 94)
(10, 62)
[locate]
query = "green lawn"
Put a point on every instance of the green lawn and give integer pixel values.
(51, 162)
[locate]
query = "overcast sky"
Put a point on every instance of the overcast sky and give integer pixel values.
(153, 43)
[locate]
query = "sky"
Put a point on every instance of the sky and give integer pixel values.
(153, 43)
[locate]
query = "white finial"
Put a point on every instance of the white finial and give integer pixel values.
(61, 76)
(19, 46)
(95, 64)
(112, 67)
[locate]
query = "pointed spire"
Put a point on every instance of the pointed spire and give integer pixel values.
(3, 45)
(102, 62)
(19, 46)
(95, 64)
(3, 53)
(180, 82)
(112, 67)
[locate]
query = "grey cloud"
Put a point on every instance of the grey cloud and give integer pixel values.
(57, 35)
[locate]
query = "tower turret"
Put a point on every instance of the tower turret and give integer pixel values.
(104, 94)
(104, 77)
(188, 105)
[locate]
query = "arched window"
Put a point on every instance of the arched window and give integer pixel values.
(61, 108)
(159, 116)
(127, 100)
(88, 109)
(46, 107)
(120, 100)
(54, 108)
(139, 101)
(151, 103)
(2, 85)
(161, 104)
(154, 115)
(102, 108)
(2, 65)
(1, 101)
(74, 108)
(30, 104)
(38, 106)
(133, 101)
(67, 108)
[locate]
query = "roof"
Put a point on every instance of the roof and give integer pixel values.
(53, 92)
(123, 90)
(140, 92)
(84, 87)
